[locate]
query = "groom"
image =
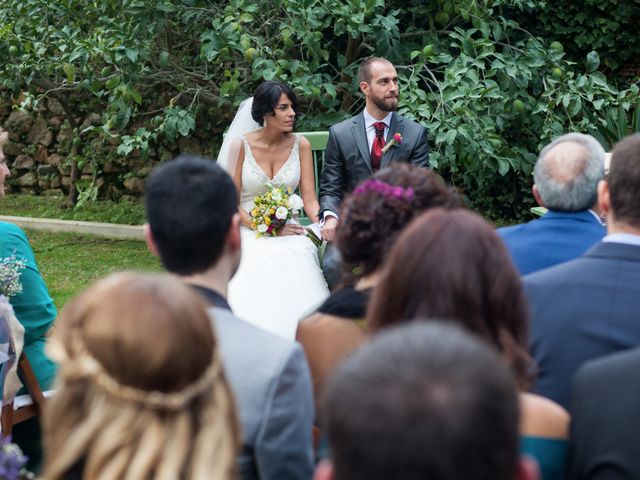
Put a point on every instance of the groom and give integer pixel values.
(354, 153)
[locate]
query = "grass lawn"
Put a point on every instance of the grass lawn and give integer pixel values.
(124, 212)
(70, 262)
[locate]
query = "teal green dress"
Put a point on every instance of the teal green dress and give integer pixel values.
(550, 453)
(33, 307)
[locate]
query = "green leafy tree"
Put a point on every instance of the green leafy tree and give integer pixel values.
(490, 92)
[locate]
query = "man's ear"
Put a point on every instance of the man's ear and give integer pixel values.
(528, 469)
(536, 195)
(233, 237)
(324, 471)
(604, 198)
(151, 243)
(364, 87)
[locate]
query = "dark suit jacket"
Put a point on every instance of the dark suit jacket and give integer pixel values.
(347, 158)
(554, 238)
(605, 438)
(582, 309)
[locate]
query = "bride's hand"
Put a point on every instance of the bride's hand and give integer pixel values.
(291, 229)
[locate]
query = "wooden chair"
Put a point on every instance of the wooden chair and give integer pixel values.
(22, 408)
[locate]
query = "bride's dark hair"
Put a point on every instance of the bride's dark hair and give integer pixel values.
(266, 97)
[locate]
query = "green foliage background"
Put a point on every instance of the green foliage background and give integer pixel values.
(493, 80)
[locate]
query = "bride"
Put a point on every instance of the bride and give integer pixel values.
(279, 280)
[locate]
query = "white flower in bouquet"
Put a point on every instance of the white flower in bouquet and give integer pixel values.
(262, 228)
(281, 213)
(295, 202)
(276, 195)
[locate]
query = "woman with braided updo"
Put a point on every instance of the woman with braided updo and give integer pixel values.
(141, 393)
(371, 218)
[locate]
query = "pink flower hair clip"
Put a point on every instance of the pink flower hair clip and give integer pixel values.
(386, 190)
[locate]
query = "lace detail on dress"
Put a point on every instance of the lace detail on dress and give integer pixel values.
(254, 179)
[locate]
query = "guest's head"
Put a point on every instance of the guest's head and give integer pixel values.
(567, 173)
(141, 390)
(193, 224)
(375, 213)
(379, 84)
(270, 98)
(619, 195)
(452, 265)
(422, 401)
(4, 169)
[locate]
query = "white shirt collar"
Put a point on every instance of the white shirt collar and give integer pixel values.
(369, 120)
(597, 217)
(627, 238)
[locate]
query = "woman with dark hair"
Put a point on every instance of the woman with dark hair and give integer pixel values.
(279, 279)
(372, 217)
(452, 265)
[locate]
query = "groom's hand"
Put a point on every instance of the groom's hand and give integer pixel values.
(328, 230)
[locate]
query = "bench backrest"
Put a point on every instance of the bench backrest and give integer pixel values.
(318, 141)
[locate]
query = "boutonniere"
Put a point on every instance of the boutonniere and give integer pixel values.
(395, 140)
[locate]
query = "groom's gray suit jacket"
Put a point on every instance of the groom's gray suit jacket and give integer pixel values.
(347, 158)
(271, 383)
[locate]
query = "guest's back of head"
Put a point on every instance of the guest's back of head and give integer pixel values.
(567, 172)
(141, 389)
(423, 401)
(190, 204)
(375, 213)
(452, 265)
(624, 182)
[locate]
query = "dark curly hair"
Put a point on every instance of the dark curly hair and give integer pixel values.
(453, 265)
(266, 97)
(370, 220)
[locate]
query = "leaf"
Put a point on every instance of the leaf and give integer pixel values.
(132, 54)
(593, 61)
(122, 118)
(70, 71)
(450, 136)
(575, 107)
(135, 95)
(170, 128)
(185, 125)
(503, 166)
(331, 90)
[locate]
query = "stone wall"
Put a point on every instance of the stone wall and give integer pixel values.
(39, 149)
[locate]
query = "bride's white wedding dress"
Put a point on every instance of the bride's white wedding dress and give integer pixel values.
(279, 280)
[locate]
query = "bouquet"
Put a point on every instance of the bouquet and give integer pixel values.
(274, 209)
(10, 269)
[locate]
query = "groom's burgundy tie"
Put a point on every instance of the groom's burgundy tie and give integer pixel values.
(378, 143)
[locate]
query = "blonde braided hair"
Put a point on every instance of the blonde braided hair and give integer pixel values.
(142, 391)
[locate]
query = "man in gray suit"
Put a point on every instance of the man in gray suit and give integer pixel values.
(353, 151)
(194, 227)
(588, 307)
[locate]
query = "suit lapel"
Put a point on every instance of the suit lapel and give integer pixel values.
(360, 137)
(397, 126)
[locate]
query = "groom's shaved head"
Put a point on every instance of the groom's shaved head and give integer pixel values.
(364, 73)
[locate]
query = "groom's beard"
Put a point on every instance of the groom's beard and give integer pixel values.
(386, 104)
